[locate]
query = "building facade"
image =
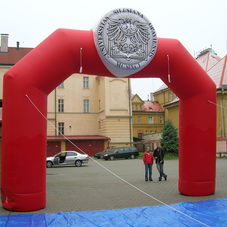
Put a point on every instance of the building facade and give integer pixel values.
(147, 117)
(87, 107)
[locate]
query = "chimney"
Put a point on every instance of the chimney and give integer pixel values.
(4, 43)
(18, 45)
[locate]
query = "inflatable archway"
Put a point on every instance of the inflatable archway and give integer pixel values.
(56, 58)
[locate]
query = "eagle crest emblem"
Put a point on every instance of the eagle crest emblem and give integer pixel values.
(126, 41)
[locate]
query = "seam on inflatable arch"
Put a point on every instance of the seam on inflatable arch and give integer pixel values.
(114, 174)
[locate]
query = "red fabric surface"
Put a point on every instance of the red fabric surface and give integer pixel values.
(55, 59)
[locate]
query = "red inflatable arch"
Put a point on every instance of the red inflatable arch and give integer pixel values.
(56, 58)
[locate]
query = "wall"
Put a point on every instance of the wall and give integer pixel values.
(221, 114)
(108, 112)
(144, 127)
(172, 114)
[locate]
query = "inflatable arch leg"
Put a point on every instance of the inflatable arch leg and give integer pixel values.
(56, 58)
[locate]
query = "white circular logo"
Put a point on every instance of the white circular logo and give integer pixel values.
(126, 41)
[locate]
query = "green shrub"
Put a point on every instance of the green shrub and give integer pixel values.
(169, 139)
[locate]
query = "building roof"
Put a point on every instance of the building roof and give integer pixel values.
(152, 106)
(13, 55)
(172, 103)
(163, 87)
(218, 72)
(136, 98)
(147, 106)
(215, 66)
(207, 58)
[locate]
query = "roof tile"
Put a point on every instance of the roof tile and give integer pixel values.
(152, 106)
(13, 55)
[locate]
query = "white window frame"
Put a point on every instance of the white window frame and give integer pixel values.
(86, 105)
(140, 120)
(85, 82)
(60, 105)
(61, 128)
(132, 120)
(150, 120)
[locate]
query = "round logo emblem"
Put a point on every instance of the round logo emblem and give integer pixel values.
(126, 41)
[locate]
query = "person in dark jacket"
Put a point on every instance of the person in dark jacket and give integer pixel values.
(148, 162)
(159, 160)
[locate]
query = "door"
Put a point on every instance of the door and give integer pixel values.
(71, 158)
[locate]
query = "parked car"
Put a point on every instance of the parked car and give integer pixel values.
(67, 158)
(121, 152)
(102, 153)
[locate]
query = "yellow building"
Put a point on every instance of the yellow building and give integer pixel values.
(169, 101)
(92, 112)
(147, 117)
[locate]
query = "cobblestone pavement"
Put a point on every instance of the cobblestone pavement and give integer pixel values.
(93, 188)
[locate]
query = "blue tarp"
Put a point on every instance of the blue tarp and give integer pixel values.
(203, 213)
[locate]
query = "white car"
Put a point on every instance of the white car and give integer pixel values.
(66, 158)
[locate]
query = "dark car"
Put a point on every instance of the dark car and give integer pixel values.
(121, 152)
(101, 154)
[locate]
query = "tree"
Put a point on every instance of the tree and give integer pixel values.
(169, 139)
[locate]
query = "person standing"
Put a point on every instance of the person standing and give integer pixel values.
(148, 162)
(159, 160)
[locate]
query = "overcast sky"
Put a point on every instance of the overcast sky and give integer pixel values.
(198, 24)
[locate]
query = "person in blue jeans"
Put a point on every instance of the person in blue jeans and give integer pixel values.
(159, 160)
(148, 162)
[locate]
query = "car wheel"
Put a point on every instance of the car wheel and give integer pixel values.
(132, 156)
(78, 163)
(49, 164)
(111, 157)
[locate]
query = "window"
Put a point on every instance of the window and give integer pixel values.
(60, 105)
(61, 127)
(150, 120)
(120, 150)
(140, 135)
(86, 105)
(71, 154)
(132, 120)
(139, 119)
(61, 85)
(161, 120)
(85, 82)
